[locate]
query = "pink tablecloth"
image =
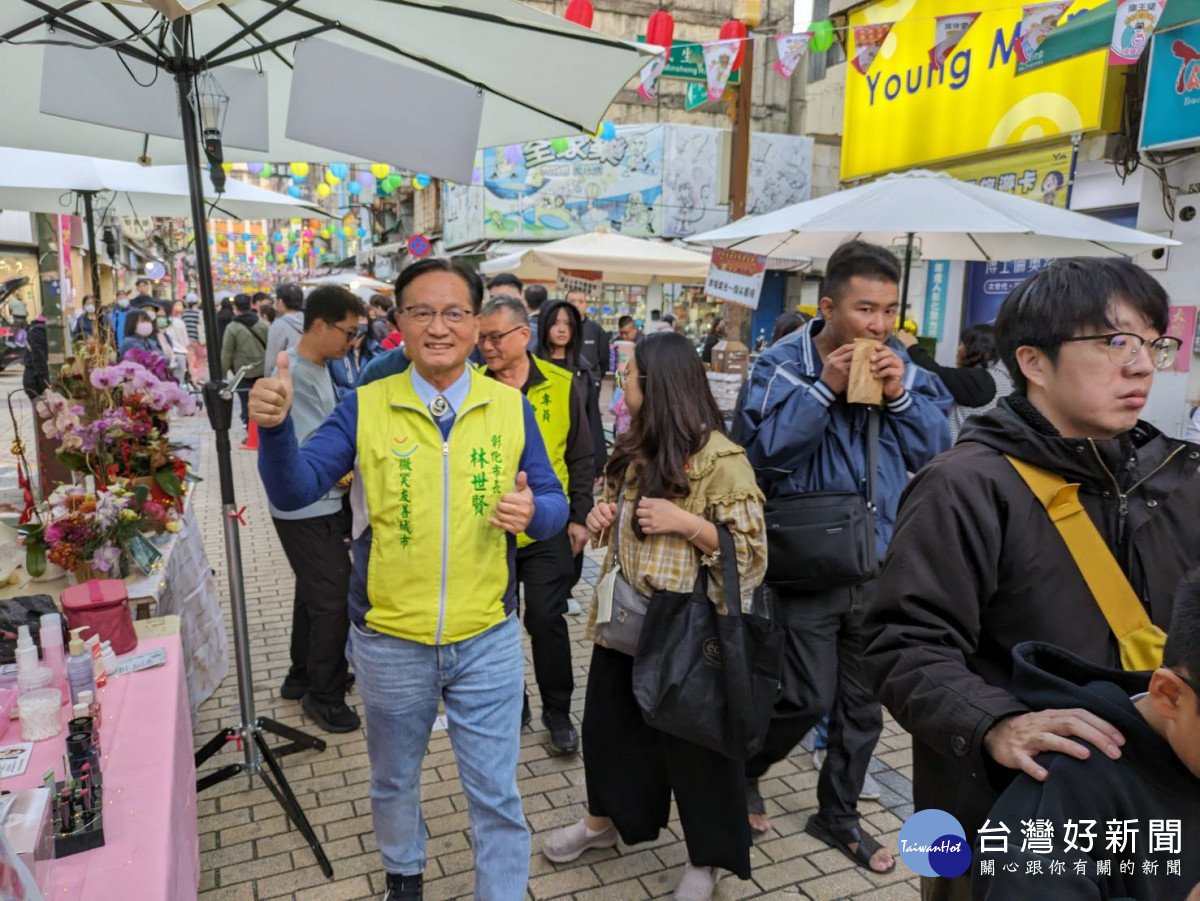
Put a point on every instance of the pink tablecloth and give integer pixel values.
(151, 846)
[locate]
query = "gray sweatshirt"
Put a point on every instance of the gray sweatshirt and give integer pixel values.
(284, 334)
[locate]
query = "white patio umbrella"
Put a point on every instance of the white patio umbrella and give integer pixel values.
(362, 285)
(948, 219)
(621, 259)
(44, 182)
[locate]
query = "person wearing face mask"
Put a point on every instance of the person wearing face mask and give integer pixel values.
(193, 323)
(141, 334)
(118, 314)
(176, 334)
(347, 372)
(85, 325)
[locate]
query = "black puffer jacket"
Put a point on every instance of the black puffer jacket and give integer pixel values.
(976, 567)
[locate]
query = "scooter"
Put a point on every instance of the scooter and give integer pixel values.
(12, 334)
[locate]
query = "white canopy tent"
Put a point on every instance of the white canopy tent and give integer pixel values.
(362, 285)
(621, 260)
(44, 182)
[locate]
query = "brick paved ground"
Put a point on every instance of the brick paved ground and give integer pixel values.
(248, 852)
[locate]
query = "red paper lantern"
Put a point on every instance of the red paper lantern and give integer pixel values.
(733, 30)
(660, 31)
(580, 12)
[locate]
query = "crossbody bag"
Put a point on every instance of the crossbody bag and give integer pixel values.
(825, 539)
(1140, 641)
(620, 611)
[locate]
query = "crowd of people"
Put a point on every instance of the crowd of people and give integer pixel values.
(1025, 611)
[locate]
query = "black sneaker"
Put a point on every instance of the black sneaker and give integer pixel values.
(293, 688)
(526, 714)
(331, 717)
(404, 888)
(563, 737)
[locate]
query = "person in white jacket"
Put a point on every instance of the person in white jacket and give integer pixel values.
(177, 337)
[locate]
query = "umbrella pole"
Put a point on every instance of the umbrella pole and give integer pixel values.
(218, 401)
(89, 223)
(908, 248)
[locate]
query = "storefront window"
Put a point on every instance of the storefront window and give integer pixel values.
(15, 264)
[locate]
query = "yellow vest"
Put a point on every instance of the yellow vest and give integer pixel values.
(551, 401)
(438, 572)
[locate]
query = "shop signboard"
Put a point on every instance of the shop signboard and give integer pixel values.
(902, 113)
(1042, 174)
(1171, 113)
(545, 190)
(937, 284)
(989, 283)
(736, 277)
(686, 62)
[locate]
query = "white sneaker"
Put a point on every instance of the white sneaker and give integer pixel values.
(573, 608)
(698, 883)
(818, 758)
(568, 843)
(870, 789)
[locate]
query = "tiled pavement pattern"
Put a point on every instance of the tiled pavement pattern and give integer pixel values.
(248, 851)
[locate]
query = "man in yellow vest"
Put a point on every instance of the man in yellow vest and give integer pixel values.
(546, 568)
(450, 468)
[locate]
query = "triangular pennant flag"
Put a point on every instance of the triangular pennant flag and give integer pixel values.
(868, 39)
(948, 31)
(718, 65)
(792, 48)
(648, 89)
(1134, 23)
(1036, 23)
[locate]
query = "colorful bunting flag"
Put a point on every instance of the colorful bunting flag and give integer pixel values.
(718, 65)
(648, 89)
(948, 31)
(1036, 23)
(1134, 23)
(868, 39)
(792, 48)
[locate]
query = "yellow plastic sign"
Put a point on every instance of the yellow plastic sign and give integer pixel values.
(903, 114)
(1040, 175)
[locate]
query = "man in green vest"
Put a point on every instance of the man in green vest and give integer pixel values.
(546, 568)
(449, 468)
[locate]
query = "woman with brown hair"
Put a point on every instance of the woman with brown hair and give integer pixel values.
(671, 480)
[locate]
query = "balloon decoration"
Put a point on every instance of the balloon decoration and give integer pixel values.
(581, 12)
(308, 234)
(822, 36)
(367, 181)
(514, 154)
(330, 178)
(323, 190)
(348, 232)
(278, 236)
(660, 30)
(362, 232)
(476, 176)
(228, 167)
(326, 234)
(295, 191)
(735, 29)
(280, 249)
(607, 131)
(380, 171)
(255, 168)
(354, 188)
(267, 170)
(340, 170)
(560, 145)
(299, 170)
(421, 181)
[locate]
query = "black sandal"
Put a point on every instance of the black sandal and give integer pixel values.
(842, 839)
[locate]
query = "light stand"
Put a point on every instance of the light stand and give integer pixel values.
(218, 400)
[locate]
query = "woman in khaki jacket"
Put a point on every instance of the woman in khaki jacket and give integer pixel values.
(675, 475)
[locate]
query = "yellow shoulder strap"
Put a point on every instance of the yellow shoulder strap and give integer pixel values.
(1141, 642)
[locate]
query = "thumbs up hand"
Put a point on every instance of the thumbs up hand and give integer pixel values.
(515, 510)
(271, 398)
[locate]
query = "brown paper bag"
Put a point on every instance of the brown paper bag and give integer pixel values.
(864, 388)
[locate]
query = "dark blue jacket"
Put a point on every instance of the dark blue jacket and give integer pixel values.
(800, 438)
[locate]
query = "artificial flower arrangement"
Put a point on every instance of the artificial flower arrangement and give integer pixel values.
(111, 422)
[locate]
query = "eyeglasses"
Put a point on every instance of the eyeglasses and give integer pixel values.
(455, 316)
(1191, 683)
(1124, 347)
(496, 338)
(349, 335)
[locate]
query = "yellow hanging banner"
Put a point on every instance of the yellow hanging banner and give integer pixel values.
(904, 114)
(1042, 174)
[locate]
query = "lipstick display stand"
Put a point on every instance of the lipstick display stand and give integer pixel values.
(85, 830)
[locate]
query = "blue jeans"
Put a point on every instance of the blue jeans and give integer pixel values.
(481, 681)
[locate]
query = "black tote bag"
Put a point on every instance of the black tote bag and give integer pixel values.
(706, 678)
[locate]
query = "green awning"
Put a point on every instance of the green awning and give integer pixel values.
(1093, 30)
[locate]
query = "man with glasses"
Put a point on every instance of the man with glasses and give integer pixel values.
(546, 568)
(314, 537)
(449, 468)
(977, 566)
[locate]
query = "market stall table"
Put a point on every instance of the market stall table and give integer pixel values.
(183, 587)
(151, 841)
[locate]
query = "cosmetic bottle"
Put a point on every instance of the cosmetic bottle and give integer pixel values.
(51, 638)
(108, 657)
(79, 667)
(93, 646)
